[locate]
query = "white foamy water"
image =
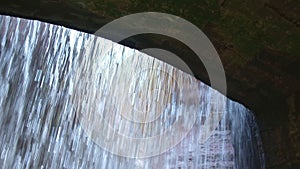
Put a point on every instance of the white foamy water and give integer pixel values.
(57, 84)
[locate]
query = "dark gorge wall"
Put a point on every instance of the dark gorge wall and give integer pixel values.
(257, 41)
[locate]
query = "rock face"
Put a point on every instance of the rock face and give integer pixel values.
(257, 41)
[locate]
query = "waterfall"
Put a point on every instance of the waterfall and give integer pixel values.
(61, 92)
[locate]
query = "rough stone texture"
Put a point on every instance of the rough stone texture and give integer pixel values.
(258, 42)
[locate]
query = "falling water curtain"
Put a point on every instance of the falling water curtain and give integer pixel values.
(56, 82)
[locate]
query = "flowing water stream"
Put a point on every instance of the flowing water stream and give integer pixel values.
(64, 103)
